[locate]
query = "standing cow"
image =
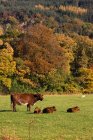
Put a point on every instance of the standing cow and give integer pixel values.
(25, 99)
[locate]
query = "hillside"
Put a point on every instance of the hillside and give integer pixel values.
(46, 46)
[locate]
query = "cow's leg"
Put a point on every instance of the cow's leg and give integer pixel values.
(14, 107)
(28, 107)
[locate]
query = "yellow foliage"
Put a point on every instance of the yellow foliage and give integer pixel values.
(87, 79)
(1, 42)
(87, 72)
(5, 55)
(42, 7)
(13, 19)
(70, 8)
(68, 44)
(39, 6)
(9, 48)
(27, 81)
(6, 81)
(21, 72)
(74, 9)
(84, 40)
(65, 40)
(72, 89)
(7, 65)
(1, 31)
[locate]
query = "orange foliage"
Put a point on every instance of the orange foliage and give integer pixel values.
(41, 47)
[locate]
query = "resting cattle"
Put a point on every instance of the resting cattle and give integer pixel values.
(49, 109)
(73, 109)
(37, 110)
(25, 99)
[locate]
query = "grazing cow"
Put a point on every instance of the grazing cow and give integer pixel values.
(73, 109)
(37, 110)
(25, 99)
(49, 109)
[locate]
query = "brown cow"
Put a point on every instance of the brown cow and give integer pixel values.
(73, 109)
(49, 109)
(37, 110)
(25, 99)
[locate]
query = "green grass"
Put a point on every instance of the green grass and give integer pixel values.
(57, 126)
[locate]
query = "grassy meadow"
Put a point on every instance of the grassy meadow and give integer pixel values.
(57, 126)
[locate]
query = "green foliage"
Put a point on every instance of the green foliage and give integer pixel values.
(12, 30)
(55, 80)
(83, 54)
(20, 87)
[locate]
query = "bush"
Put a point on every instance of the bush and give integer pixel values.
(19, 87)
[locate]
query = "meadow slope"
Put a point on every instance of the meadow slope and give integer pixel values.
(57, 126)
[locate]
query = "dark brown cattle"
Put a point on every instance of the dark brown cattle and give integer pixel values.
(37, 110)
(73, 109)
(25, 99)
(49, 109)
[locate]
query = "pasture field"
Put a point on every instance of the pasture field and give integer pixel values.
(57, 126)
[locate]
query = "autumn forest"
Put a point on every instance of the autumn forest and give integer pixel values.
(46, 46)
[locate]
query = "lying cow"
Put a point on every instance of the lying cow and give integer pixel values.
(25, 99)
(37, 110)
(73, 109)
(49, 109)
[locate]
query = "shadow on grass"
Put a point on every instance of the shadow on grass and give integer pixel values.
(30, 113)
(5, 110)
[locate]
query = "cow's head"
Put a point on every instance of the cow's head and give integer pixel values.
(54, 108)
(39, 96)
